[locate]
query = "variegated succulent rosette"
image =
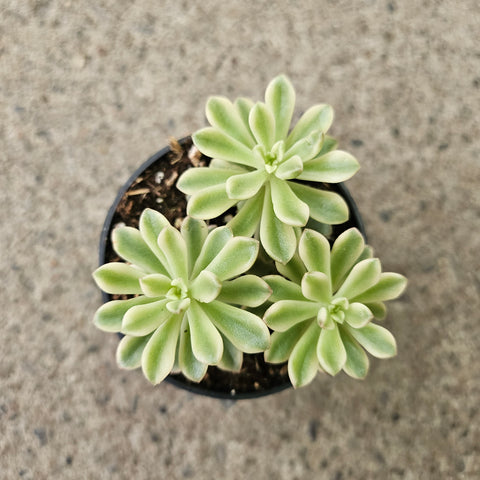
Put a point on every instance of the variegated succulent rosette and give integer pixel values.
(324, 305)
(262, 167)
(185, 314)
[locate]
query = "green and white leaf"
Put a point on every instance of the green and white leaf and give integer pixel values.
(280, 99)
(188, 364)
(362, 276)
(247, 290)
(232, 357)
(210, 202)
(358, 315)
(283, 289)
(376, 340)
(378, 309)
(314, 250)
(262, 125)
(390, 286)
(316, 287)
(194, 232)
(151, 223)
(333, 167)
(155, 285)
(294, 270)
(247, 218)
(286, 205)
(172, 244)
(118, 278)
(195, 180)
(357, 363)
(282, 343)
(214, 243)
(130, 350)
(206, 287)
(140, 320)
(246, 185)
(306, 148)
(290, 168)
(331, 351)
(283, 314)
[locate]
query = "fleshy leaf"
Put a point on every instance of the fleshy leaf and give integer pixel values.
(357, 362)
(303, 362)
(243, 107)
(333, 167)
(362, 276)
(262, 125)
(286, 205)
(316, 287)
(280, 99)
(326, 207)
(195, 180)
(329, 144)
(390, 286)
(277, 238)
(236, 257)
(314, 250)
(282, 343)
(213, 143)
(173, 246)
(207, 345)
(129, 351)
(285, 313)
(378, 309)
(210, 202)
(151, 223)
(118, 278)
(294, 270)
(290, 168)
(376, 340)
(109, 316)
(345, 251)
(358, 315)
(214, 243)
(158, 357)
(246, 185)
(130, 245)
(247, 290)
(246, 221)
(222, 114)
(205, 287)
(283, 289)
(194, 233)
(141, 320)
(155, 285)
(232, 357)
(331, 351)
(306, 148)
(244, 329)
(316, 118)
(192, 368)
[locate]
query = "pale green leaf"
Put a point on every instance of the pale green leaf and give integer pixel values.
(294, 270)
(129, 351)
(243, 107)
(358, 315)
(333, 167)
(219, 164)
(277, 238)
(283, 289)
(109, 316)
(285, 313)
(282, 343)
(303, 362)
(376, 340)
(118, 278)
(151, 223)
(247, 290)
(210, 202)
(155, 285)
(172, 244)
(192, 368)
(130, 245)
(205, 287)
(178, 306)
(280, 99)
(215, 144)
(235, 258)
(141, 320)
(232, 357)
(314, 250)
(286, 205)
(325, 206)
(222, 114)
(213, 244)
(247, 219)
(390, 286)
(262, 125)
(244, 329)
(345, 252)
(316, 287)
(194, 232)
(378, 309)
(357, 363)
(246, 185)
(331, 352)
(363, 275)
(316, 118)
(328, 145)
(195, 180)
(290, 168)
(207, 345)
(158, 357)
(306, 148)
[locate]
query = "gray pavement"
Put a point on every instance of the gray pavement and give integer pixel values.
(88, 90)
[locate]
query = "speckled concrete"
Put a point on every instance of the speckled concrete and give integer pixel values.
(90, 89)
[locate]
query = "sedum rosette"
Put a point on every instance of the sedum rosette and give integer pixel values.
(261, 166)
(323, 310)
(185, 315)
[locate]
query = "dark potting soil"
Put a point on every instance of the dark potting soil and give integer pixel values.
(155, 188)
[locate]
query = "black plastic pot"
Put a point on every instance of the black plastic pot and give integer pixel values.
(218, 391)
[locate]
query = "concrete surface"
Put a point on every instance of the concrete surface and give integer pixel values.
(90, 89)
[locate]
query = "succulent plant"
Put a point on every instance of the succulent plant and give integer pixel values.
(322, 311)
(266, 170)
(186, 313)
